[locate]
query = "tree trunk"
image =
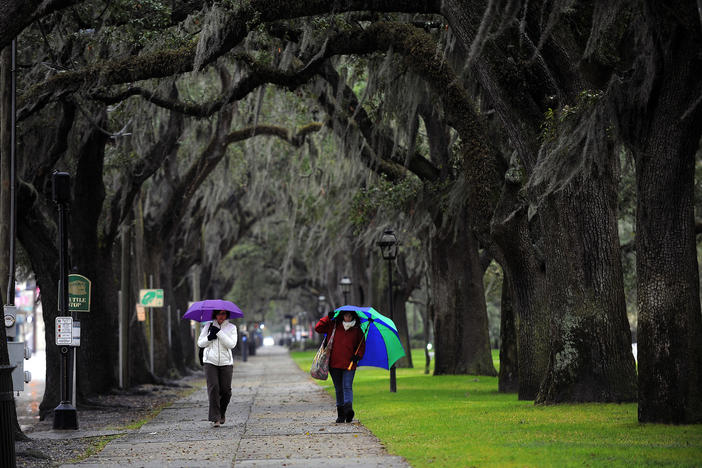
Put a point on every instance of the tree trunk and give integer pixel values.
(361, 292)
(508, 378)
(525, 277)
(97, 355)
(460, 324)
(5, 136)
(159, 340)
(399, 299)
(175, 353)
(39, 245)
(670, 328)
(590, 356)
(139, 370)
(186, 342)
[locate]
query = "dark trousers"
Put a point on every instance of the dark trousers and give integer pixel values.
(343, 385)
(219, 389)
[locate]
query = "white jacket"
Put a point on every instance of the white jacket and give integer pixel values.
(218, 352)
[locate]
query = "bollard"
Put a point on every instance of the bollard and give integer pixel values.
(7, 430)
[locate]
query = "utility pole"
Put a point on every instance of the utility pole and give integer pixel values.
(65, 416)
(7, 413)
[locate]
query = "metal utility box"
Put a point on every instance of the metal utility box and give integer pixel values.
(10, 316)
(18, 353)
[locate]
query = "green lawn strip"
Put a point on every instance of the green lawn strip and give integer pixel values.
(96, 445)
(456, 421)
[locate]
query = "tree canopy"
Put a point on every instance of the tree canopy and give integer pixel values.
(263, 146)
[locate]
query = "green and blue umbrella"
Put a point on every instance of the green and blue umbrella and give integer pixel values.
(383, 347)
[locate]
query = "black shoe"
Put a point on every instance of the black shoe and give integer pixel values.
(340, 414)
(348, 409)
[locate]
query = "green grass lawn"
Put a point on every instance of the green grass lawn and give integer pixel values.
(461, 421)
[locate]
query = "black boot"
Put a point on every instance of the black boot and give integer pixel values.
(348, 409)
(340, 414)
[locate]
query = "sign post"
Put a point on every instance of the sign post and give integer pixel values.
(65, 415)
(151, 298)
(79, 289)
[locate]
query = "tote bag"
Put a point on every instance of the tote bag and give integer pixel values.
(320, 364)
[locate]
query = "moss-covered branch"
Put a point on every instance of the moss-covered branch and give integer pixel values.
(107, 73)
(234, 24)
(295, 138)
(260, 73)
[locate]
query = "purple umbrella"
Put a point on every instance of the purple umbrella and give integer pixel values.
(201, 311)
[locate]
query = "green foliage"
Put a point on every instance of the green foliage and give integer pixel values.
(555, 120)
(383, 195)
(139, 23)
(450, 421)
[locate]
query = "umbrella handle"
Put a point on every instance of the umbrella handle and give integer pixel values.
(357, 348)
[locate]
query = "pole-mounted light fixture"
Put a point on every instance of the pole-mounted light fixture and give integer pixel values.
(345, 284)
(388, 248)
(388, 245)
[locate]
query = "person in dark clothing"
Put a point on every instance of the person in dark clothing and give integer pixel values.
(217, 338)
(347, 349)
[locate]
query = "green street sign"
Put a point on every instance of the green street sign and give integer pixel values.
(78, 293)
(151, 297)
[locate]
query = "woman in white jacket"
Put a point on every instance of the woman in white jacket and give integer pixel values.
(218, 337)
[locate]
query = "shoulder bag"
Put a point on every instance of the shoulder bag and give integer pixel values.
(320, 364)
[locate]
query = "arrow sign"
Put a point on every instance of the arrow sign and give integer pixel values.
(151, 297)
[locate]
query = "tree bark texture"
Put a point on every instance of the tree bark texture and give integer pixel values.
(5, 136)
(508, 378)
(590, 356)
(460, 324)
(139, 369)
(670, 327)
(400, 318)
(97, 354)
(403, 286)
(669, 332)
(526, 280)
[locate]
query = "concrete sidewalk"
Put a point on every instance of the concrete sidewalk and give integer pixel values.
(277, 417)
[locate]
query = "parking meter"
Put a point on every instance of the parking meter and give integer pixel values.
(10, 315)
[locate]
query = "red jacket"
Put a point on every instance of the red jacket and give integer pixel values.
(345, 345)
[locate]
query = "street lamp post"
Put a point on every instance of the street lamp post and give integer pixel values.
(345, 284)
(320, 305)
(388, 248)
(65, 416)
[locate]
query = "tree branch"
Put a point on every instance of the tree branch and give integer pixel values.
(244, 17)
(18, 14)
(144, 168)
(106, 73)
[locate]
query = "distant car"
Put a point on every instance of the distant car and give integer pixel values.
(268, 341)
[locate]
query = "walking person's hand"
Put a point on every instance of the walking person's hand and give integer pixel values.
(212, 333)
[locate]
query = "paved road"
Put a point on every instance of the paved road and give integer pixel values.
(277, 417)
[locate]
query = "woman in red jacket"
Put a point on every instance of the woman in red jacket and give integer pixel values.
(347, 349)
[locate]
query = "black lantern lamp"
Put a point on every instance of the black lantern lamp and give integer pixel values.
(388, 245)
(345, 284)
(388, 248)
(320, 304)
